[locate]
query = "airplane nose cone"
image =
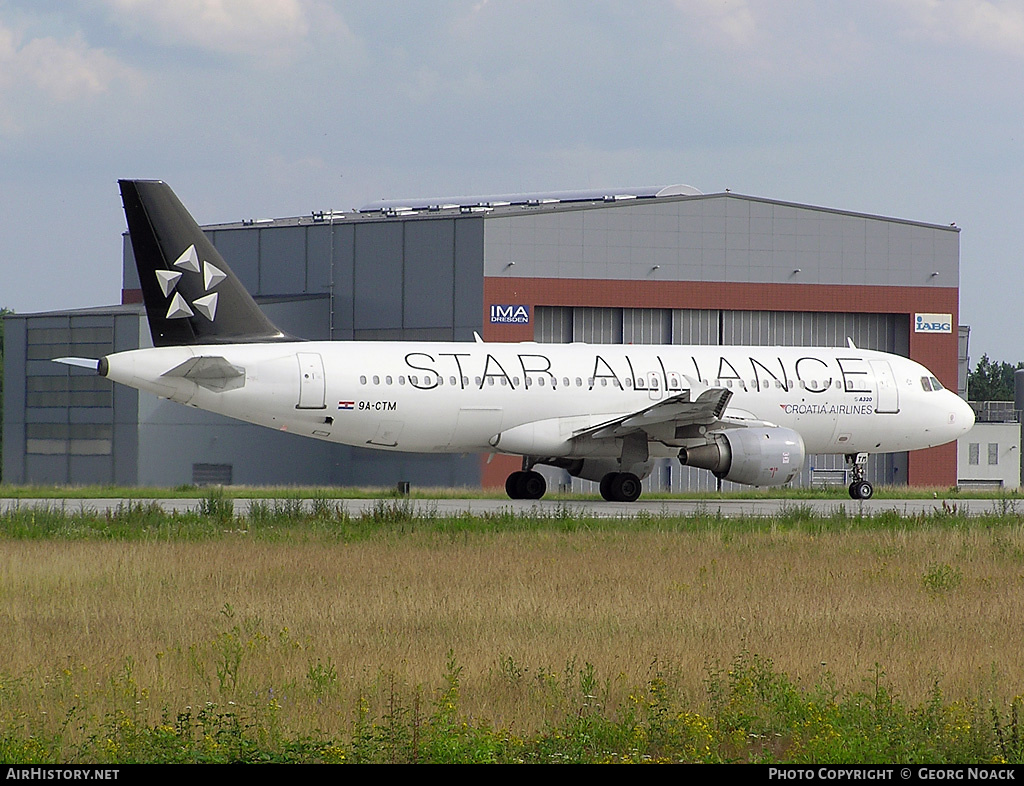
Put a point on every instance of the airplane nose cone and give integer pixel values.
(961, 416)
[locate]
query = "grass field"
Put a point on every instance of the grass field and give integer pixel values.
(293, 635)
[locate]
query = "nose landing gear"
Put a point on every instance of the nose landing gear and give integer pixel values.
(859, 488)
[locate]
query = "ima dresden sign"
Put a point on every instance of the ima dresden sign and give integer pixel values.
(510, 315)
(933, 323)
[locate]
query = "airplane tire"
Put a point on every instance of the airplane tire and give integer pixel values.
(531, 485)
(626, 487)
(861, 489)
(512, 484)
(621, 487)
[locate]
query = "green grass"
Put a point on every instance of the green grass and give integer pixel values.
(333, 492)
(326, 518)
(751, 713)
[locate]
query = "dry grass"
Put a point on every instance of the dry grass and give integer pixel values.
(231, 619)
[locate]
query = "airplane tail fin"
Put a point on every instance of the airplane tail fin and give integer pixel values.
(191, 295)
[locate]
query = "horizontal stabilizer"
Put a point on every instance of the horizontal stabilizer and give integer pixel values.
(88, 363)
(212, 373)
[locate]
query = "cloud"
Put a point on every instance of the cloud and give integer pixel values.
(732, 20)
(988, 25)
(43, 75)
(63, 69)
(232, 27)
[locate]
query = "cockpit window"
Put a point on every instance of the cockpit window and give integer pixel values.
(936, 385)
(925, 383)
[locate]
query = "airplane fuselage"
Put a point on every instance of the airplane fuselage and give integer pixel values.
(459, 397)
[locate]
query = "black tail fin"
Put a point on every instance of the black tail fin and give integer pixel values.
(191, 295)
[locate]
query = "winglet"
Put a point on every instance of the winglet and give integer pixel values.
(849, 343)
(476, 338)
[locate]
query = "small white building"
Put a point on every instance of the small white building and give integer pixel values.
(989, 455)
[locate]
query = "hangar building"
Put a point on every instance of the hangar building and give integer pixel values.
(650, 265)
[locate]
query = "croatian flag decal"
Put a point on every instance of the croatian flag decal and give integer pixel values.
(346, 404)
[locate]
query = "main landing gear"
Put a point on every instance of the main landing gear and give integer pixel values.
(615, 486)
(525, 484)
(621, 487)
(860, 488)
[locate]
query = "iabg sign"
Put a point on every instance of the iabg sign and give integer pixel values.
(933, 323)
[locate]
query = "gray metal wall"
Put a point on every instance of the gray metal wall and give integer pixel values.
(720, 237)
(64, 424)
(386, 279)
(885, 332)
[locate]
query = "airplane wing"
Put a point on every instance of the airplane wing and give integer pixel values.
(678, 410)
(710, 408)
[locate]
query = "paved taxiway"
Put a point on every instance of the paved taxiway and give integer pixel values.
(727, 508)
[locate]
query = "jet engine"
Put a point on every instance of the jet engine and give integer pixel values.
(754, 456)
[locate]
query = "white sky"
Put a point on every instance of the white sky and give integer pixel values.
(268, 108)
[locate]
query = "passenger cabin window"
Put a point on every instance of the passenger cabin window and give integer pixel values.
(362, 380)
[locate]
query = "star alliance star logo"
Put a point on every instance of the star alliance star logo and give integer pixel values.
(168, 280)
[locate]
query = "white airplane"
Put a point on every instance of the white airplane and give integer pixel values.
(602, 412)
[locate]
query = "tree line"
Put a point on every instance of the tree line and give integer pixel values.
(991, 380)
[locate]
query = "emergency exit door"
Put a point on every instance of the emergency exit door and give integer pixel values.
(888, 395)
(312, 388)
